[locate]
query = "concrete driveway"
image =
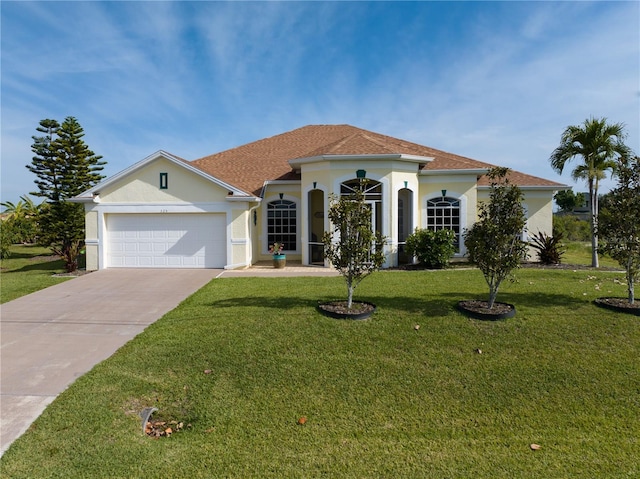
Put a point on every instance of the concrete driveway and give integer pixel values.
(51, 337)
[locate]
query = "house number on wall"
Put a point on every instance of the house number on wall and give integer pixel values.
(164, 211)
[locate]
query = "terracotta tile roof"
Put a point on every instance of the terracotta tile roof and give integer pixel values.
(249, 166)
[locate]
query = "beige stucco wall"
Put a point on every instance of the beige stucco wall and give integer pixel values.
(143, 186)
(91, 225)
(91, 238)
(240, 238)
(91, 254)
(539, 210)
(539, 213)
(539, 207)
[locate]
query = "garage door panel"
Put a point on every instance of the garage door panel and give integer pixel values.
(166, 241)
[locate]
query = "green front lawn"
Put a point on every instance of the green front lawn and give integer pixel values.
(30, 268)
(579, 252)
(243, 359)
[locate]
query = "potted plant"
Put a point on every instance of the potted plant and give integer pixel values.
(279, 259)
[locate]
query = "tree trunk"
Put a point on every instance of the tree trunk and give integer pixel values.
(350, 289)
(493, 292)
(593, 197)
(631, 283)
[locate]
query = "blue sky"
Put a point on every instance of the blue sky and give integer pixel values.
(494, 81)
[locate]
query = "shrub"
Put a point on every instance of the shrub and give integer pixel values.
(6, 239)
(432, 248)
(549, 248)
(571, 228)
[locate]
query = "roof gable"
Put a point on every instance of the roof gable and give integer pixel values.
(180, 162)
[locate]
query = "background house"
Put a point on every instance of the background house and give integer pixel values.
(224, 210)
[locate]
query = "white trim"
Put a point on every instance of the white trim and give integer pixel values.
(216, 207)
(529, 188)
(375, 157)
(244, 199)
(525, 230)
(470, 171)
(237, 266)
(282, 182)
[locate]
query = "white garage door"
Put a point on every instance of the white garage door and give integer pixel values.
(166, 240)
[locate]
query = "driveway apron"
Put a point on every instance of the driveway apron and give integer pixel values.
(51, 337)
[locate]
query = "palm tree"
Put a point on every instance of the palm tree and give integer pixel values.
(598, 144)
(25, 208)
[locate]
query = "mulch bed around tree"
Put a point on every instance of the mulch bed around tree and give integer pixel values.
(338, 309)
(479, 309)
(619, 304)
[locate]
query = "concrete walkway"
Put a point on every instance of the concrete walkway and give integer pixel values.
(51, 337)
(265, 269)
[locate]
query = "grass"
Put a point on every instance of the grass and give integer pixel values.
(579, 252)
(242, 359)
(30, 268)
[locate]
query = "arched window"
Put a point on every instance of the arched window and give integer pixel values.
(281, 224)
(372, 195)
(444, 213)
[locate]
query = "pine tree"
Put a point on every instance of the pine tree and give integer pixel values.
(45, 164)
(64, 166)
(79, 165)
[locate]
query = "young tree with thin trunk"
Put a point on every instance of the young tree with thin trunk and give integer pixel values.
(620, 222)
(352, 247)
(598, 143)
(494, 242)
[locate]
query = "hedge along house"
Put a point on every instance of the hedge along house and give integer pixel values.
(225, 210)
